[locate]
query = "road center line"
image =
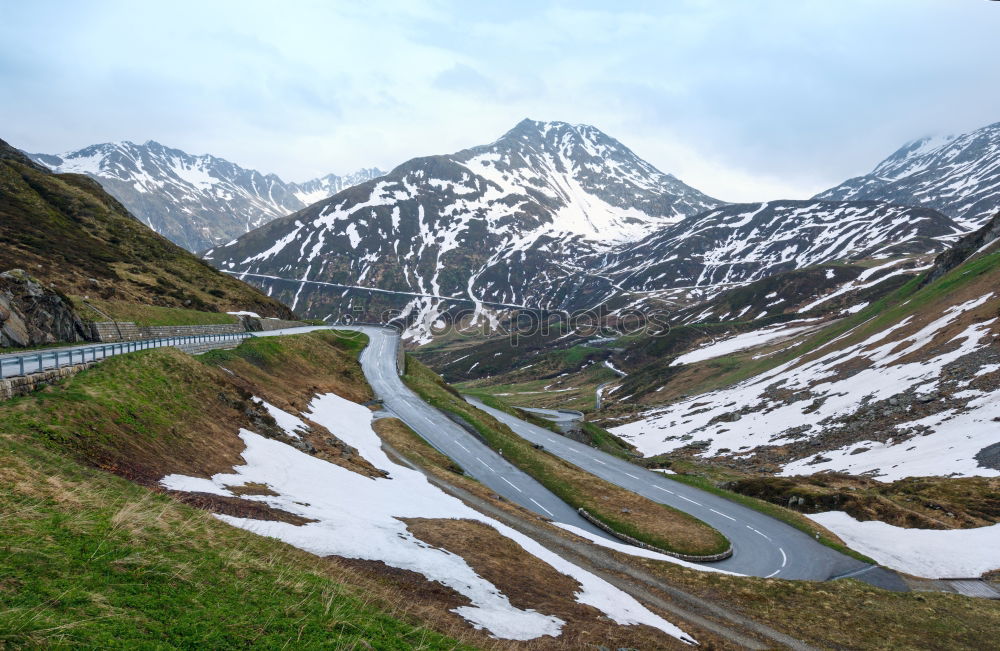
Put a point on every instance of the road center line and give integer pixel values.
(772, 573)
(722, 514)
(631, 475)
(515, 487)
(599, 461)
(485, 464)
(463, 447)
(784, 559)
(688, 499)
(541, 507)
(757, 532)
(664, 489)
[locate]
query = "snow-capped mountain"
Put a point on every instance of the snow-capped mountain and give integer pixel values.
(740, 243)
(505, 222)
(956, 175)
(196, 201)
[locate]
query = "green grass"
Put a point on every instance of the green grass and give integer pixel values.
(90, 560)
(568, 485)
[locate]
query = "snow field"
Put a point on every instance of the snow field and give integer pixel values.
(954, 438)
(930, 553)
(360, 517)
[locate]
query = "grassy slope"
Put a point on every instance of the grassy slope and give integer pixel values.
(841, 614)
(88, 558)
(65, 230)
(648, 521)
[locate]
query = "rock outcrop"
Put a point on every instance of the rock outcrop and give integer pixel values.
(31, 314)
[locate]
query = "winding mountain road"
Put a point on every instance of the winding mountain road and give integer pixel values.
(762, 545)
(378, 361)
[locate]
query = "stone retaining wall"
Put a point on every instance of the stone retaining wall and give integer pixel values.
(198, 349)
(278, 324)
(638, 543)
(109, 331)
(25, 384)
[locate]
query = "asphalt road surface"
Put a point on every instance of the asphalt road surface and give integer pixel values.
(762, 546)
(478, 460)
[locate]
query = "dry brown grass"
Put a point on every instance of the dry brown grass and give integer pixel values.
(530, 583)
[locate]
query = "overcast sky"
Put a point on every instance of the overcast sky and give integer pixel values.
(745, 100)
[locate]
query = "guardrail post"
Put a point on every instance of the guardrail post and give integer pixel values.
(21, 359)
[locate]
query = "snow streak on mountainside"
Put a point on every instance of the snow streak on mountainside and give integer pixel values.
(912, 391)
(745, 242)
(959, 176)
(505, 222)
(196, 201)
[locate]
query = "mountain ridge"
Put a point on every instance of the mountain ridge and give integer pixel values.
(956, 175)
(196, 201)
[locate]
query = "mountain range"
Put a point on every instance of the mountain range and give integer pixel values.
(195, 201)
(550, 215)
(554, 216)
(512, 222)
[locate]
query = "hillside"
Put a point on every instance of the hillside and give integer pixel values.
(195, 201)
(906, 386)
(745, 242)
(66, 231)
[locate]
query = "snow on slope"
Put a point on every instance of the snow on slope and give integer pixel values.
(891, 379)
(361, 517)
(928, 553)
(196, 201)
(741, 243)
(742, 341)
(959, 176)
(504, 222)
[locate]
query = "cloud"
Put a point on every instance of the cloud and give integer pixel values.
(742, 100)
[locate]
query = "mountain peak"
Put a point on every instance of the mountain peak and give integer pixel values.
(956, 175)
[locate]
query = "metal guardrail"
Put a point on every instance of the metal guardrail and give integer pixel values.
(17, 365)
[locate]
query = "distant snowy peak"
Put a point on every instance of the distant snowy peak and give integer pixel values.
(326, 186)
(196, 201)
(957, 175)
(593, 185)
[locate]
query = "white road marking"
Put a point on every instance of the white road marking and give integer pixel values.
(631, 475)
(485, 464)
(757, 532)
(784, 559)
(722, 514)
(462, 446)
(541, 507)
(688, 499)
(772, 573)
(550, 441)
(664, 489)
(598, 461)
(515, 487)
